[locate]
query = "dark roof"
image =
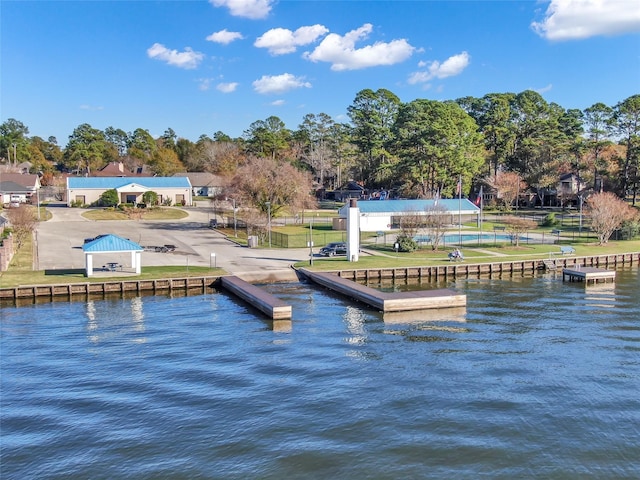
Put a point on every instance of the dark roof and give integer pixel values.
(117, 169)
(201, 179)
(29, 180)
(13, 187)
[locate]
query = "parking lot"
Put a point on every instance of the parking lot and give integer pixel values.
(60, 240)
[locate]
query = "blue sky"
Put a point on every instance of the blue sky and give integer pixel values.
(200, 67)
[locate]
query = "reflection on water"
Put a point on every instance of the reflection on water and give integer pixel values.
(534, 379)
(454, 314)
(122, 315)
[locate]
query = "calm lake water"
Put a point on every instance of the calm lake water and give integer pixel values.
(536, 379)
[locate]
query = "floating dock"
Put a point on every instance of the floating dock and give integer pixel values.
(388, 301)
(258, 298)
(588, 274)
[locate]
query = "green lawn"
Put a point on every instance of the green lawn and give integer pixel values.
(386, 257)
(21, 272)
(160, 213)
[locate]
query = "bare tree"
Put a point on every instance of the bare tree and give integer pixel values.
(607, 213)
(269, 185)
(23, 222)
(436, 219)
(517, 226)
(508, 186)
(410, 222)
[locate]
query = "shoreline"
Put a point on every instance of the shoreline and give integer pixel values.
(203, 283)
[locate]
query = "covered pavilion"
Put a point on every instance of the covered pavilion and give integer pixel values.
(110, 244)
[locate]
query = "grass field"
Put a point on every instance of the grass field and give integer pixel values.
(160, 213)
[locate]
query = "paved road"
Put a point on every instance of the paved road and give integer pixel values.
(60, 240)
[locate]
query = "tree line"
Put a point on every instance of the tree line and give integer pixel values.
(418, 149)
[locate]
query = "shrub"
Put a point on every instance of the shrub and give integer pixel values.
(150, 198)
(550, 220)
(406, 244)
(109, 198)
(630, 229)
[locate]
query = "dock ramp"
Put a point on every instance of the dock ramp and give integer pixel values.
(388, 301)
(257, 297)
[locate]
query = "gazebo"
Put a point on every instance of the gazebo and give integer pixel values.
(111, 244)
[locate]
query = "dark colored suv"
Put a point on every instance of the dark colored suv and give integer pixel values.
(334, 248)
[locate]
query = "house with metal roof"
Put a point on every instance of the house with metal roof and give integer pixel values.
(87, 190)
(381, 215)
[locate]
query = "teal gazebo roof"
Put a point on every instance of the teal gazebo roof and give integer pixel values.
(110, 243)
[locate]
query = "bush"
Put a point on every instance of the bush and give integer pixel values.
(406, 244)
(109, 198)
(150, 198)
(550, 220)
(629, 230)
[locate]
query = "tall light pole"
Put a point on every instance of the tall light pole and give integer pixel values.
(235, 224)
(580, 198)
(268, 204)
(311, 241)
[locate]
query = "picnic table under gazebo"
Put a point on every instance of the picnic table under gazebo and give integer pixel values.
(111, 244)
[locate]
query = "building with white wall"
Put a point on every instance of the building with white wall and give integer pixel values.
(381, 215)
(87, 190)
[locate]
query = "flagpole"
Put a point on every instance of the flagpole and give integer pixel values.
(460, 210)
(481, 205)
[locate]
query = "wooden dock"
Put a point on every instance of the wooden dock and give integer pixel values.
(388, 301)
(257, 297)
(588, 274)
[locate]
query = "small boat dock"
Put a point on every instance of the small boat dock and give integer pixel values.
(388, 301)
(588, 274)
(268, 304)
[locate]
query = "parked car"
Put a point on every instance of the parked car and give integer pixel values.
(334, 248)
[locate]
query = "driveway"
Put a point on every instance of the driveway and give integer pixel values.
(60, 241)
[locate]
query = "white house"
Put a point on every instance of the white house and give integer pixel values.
(19, 187)
(381, 215)
(87, 190)
(204, 184)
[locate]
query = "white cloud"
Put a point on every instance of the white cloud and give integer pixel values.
(205, 83)
(451, 67)
(279, 83)
(227, 87)
(224, 37)
(253, 9)
(281, 40)
(543, 89)
(92, 108)
(187, 59)
(341, 52)
(278, 103)
(578, 19)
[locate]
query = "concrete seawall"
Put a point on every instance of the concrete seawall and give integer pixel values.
(438, 272)
(435, 272)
